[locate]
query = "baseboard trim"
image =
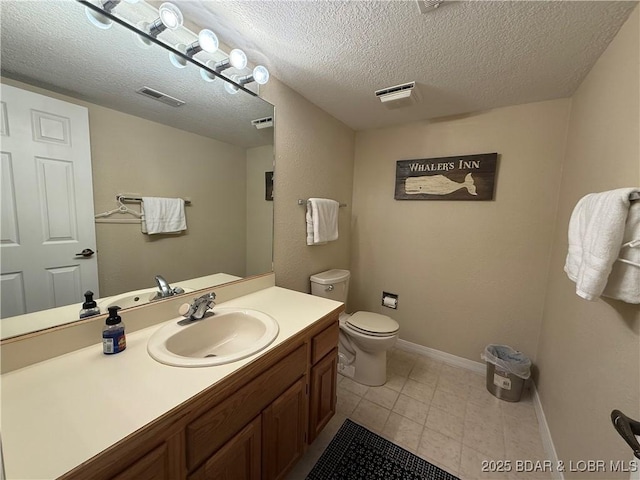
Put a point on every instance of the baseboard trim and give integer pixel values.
(478, 367)
(445, 357)
(545, 434)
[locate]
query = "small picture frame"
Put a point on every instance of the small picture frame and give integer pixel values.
(268, 186)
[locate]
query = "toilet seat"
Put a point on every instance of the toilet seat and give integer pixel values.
(372, 324)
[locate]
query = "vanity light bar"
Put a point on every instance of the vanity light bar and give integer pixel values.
(171, 18)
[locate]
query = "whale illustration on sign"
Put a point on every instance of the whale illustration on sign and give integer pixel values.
(438, 185)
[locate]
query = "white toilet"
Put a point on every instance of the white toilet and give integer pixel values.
(365, 337)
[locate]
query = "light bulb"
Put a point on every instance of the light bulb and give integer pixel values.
(230, 87)
(238, 59)
(260, 75)
(97, 19)
(170, 15)
(177, 61)
(208, 40)
(207, 76)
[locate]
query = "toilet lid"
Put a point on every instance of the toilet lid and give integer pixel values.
(372, 323)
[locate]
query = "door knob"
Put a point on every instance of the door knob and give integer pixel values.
(86, 253)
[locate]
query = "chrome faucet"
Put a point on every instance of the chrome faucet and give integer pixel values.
(164, 289)
(198, 308)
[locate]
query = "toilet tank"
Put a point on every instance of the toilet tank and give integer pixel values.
(332, 284)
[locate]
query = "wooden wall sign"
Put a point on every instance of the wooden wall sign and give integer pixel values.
(466, 177)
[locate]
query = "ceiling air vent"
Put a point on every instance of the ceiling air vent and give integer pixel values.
(265, 122)
(426, 6)
(159, 96)
(399, 96)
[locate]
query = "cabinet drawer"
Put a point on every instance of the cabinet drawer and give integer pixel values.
(212, 429)
(324, 342)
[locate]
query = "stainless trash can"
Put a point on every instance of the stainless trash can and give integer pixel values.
(504, 385)
(507, 372)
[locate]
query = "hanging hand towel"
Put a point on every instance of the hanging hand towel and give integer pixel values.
(163, 215)
(596, 232)
(624, 280)
(322, 221)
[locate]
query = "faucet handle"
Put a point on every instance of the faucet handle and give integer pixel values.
(184, 310)
(199, 307)
(207, 302)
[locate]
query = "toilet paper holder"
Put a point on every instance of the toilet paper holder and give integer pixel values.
(389, 300)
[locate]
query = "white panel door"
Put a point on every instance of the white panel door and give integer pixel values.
(47, 203)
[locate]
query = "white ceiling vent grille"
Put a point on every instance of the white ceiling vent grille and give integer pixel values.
(427, 6)
(399, 96)
(265, 122)
(159, 96)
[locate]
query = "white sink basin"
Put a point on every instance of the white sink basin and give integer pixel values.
(229, 335)
(132, 299)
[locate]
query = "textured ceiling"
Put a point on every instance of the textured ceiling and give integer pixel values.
(466, 56)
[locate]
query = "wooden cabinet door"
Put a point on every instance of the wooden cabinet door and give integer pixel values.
(239, 458)
(153, 466)
(283, 431)
(323, 394)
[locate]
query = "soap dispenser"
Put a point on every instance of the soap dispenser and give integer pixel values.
(89, 307)
(113, 338)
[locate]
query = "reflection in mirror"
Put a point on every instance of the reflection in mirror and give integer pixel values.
(206, 151)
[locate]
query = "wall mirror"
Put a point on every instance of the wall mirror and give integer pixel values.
(206, 150)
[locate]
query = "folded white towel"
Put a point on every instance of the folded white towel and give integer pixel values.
(163, 215)
(596, 232)
(322, 221)
(624, 280)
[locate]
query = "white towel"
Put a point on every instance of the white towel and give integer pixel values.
(322, 221)
(624, 280)
(163, 215)
(596, 232)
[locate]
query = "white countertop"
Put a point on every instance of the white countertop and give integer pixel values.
(59, 413)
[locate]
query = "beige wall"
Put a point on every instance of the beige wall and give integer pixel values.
(314, 158)
(468, 273)
(133, 155)
(589, 352)
(259, 211)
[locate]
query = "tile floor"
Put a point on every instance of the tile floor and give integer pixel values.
(441, 413)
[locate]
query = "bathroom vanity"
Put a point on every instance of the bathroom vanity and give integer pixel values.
(88, 415)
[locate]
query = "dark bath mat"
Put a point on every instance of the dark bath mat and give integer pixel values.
(356, 453)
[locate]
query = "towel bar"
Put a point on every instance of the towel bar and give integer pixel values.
(128, 198)
(304, 202)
